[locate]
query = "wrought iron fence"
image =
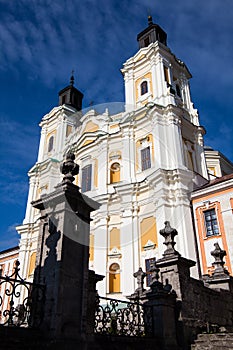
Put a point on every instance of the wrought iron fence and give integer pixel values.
(117, 317)
(21, 302)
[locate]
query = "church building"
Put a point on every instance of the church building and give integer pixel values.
(141, 165)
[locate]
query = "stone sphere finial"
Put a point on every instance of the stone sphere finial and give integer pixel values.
(169, 234)
(69, 168)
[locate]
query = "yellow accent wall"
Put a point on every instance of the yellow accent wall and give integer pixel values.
(138, 83)
(148, 231)
(115, 174)
(87, 142)
(212, 170)
(68, 130)
(114, 126)
(76, 180)
(114, 279)
(32, 264)
(91, 127)
(114, 238)
(150, 139)
(91, 250)
(51, 133)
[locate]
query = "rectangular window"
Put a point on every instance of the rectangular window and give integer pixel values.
(146, 42)
(166, 74)
(63, 99)
(68, 130)
(86, 178)
(148, 263)
(145, 158)
(211, 223)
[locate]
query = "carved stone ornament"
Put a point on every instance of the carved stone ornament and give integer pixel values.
(140, 275)
(218, 255)
(69, 168)
(169, 234)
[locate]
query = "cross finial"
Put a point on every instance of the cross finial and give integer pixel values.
(72, 78)
(149, 17)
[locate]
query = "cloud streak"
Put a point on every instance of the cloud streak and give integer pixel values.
(41, 41)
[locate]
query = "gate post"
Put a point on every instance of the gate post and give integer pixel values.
(159, 309)
(63, 255)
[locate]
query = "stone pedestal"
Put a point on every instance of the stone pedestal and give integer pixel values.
(159, 305)
(62, 259)
(175, 270)
(92, 296)
(220, 279)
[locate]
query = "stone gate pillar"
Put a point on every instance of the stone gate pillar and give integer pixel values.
(63, 254)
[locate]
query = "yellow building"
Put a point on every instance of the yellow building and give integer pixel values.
(213, 214)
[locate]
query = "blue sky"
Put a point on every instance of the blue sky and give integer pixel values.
(41, 41)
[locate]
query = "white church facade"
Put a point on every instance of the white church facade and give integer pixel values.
(140, 164)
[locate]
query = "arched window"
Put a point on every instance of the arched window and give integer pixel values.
(50, 144)
(144, 87)
(114, 278)
(115, 173)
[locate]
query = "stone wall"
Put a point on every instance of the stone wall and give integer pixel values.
(200, 304)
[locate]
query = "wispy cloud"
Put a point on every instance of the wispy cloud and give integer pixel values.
(10, 238)
(41, 41)
(18, 141)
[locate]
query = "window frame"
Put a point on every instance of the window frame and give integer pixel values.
(51, 143)
(213, 222)
(146, 160)
(147, 268)
(88, 180)
(144, 87)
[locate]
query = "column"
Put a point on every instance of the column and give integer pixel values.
(42, 144)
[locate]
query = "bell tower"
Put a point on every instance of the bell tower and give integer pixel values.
(71, 96)
(155, 75)
(151, 34)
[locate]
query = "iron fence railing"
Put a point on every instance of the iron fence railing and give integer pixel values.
(122, 318)
(21, 302)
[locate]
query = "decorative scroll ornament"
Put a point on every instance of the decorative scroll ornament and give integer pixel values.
(21, 302)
